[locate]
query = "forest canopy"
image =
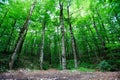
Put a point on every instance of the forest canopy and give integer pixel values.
(61, 34)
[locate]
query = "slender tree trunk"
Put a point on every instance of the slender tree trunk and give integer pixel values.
(1, 22)
(100, 37)
(50, 53)
(33, 45)
(21, 36)
(63, 36)
(93, 37)
(103, 27)
(42, 46)
(58, 45)
(95, 43)
(72, 39)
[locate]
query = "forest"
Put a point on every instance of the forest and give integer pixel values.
(60, 34)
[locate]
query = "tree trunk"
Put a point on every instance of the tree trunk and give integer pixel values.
(33, 45)
(72, 39)
(99, 36)
(42, 46)
(58, 45)
(95, 43)
(21, 36)
(63, 36)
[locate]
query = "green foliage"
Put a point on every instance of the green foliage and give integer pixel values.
(3, 69)
(104, 65)
(4, 63)
(115, 65)
(46, 65)
(83, 69)
(113, 46)
(70, 64)
(87, 65)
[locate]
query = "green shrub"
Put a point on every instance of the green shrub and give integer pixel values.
(46, 65)
(87, 65)
(3, 64)
(60, 67)
(70, 64)
(82, 69)
(3, 69)
(115, 65)
(104, 65)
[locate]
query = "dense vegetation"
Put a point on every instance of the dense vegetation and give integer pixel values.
(62, 34)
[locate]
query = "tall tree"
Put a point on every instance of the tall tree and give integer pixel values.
(72, 37)
(99, 35)
(42, 45)
(63, 35)
(102, 26)
(21, 35)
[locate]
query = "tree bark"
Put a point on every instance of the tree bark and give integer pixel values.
(59, 50)
(42, 46)
(21, 36)
(63, 36)
(72, 39)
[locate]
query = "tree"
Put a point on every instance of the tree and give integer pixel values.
(21, 35)
(63, 36)
(42, 45)
(72, 37)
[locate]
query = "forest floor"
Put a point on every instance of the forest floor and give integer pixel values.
(53, 74)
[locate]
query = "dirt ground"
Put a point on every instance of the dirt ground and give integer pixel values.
(53, 74)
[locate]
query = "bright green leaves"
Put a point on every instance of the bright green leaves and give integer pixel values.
(19, 8)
